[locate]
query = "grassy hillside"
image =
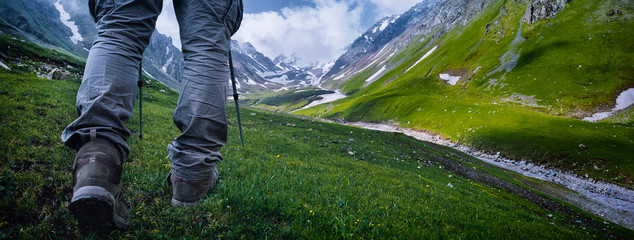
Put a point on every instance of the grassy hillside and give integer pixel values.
(39, 19)
(23, 51)
(294, 179)
(284, 100)
(568, 66)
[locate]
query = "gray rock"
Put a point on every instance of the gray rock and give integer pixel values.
(543, 9)
(56, 74)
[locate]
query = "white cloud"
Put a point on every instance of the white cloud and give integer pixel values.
(314, 33)
(73, 5)
(167, 23)
(390, 7)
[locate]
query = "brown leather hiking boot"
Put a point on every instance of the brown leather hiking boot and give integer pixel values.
(186, 193)
(97, 201)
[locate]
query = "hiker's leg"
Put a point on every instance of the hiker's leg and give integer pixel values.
(104, 103)
(205, 30)
(107, 93)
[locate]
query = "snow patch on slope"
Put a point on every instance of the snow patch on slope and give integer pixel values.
(326, 98)
(625, 100)
(147, 73)
(423, 58)
(376, 75)
(65, 18)
(4, 66)
(450, 79)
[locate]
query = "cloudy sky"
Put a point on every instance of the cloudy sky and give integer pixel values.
(315, 30)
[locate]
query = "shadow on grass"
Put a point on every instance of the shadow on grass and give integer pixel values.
(528, 57)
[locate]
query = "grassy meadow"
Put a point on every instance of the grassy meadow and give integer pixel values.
(568, 66)
(284, 100)
(295, 178)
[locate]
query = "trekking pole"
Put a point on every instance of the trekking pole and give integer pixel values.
(235, 95)
(139, 84)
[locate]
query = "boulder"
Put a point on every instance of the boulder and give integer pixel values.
(56, 74)
(610, 13)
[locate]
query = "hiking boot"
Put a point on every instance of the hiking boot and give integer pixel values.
(97, 201)
(186, 193)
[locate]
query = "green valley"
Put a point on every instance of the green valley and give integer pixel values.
(523, 87)
(295, 178)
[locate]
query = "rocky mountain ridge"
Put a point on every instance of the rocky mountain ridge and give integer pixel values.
(40, 21)
(543, 9)
(257, 73)
(163, 61)
(372, 50)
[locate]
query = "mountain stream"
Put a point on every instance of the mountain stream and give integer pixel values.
(609, 201)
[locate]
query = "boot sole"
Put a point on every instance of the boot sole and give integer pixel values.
(95, 210)
(176, 203)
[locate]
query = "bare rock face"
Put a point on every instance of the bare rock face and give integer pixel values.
(56, 74)
(543, 9)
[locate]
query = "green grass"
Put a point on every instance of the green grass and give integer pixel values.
(352, 85)
(304, 184)
(295, 178)
(593, 51)
(287, 100)
(292, 98)
(478, 114)
(18, 47)
(510, 129)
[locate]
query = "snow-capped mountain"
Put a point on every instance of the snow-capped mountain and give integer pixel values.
(68, 24)
(374, 49)
(41, 22)
(163, 61)
(287, 63)
(256, 72)
(377, 36)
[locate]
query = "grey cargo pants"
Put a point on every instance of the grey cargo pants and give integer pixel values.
(106, 96)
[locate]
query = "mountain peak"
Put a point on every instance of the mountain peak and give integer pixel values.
(383, 23)
(288, 63)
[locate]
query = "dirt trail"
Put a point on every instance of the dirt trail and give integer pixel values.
(611, 202)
